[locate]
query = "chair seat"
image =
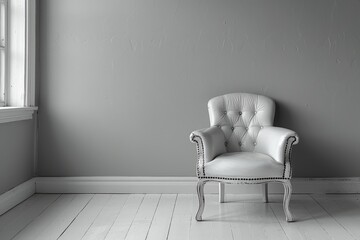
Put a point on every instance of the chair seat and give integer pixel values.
(244, 164)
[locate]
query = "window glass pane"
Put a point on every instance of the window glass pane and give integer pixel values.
(3, 51)
(2, 76)
(2, 23)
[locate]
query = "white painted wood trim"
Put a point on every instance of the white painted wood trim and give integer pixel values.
(21, 57)
(16, 195)
(163, 185)
(115, 184)
(30, 53)
(221, 192)
(185, 185)
(5, 82)
(11, 114)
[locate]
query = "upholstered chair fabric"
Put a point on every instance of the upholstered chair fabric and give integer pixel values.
(241, 117)
(242, 146)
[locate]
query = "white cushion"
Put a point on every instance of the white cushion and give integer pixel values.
(244, 164)
(241, 116)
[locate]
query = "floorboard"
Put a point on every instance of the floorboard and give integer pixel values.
(86, 217)
(325, 220)
(141, 224)
(172, 217)
(182, 217)
(57, 217)
(123, 221)
(160, 224)
(12, 222)
(344, 209)
(101, 226)
(305, 225)
(214, 224)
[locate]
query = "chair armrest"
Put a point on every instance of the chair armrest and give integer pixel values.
(276, 142)
(210, 142)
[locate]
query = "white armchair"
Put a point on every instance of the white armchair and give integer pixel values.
(242, 146)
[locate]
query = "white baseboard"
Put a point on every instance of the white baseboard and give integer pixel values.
(115, 184)
(162, 185)
(185, 185)
(16, 195)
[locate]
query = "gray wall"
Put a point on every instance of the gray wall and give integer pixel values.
(16, 154)
(123, 83)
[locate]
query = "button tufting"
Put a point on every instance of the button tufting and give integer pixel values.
(246, 128)
(255, 112)
(225, 112)
(240, 144)
(261, 127)
(232, 128)
(226, 143)
(254, 143)
(240, 113)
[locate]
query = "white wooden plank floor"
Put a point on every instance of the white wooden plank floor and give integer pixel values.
(171, 216)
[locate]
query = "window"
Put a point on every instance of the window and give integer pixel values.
(3, 50)
(17, 59)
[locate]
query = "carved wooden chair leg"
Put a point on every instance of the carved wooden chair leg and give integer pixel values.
(221, 192)
(265, 192)
(200, 193)
(287, 196)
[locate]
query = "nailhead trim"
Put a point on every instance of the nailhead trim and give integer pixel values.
(244, 179)
(199, 154)
(287, 158)
(287, 154)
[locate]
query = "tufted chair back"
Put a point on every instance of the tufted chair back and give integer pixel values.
(241, 116)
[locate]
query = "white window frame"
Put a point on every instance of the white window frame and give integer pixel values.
(3, 51)
(20, 106)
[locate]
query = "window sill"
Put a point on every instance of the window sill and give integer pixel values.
(12, 114)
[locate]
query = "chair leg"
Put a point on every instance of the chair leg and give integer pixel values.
(287, 196)
(265, 192)
(200, 193)
(221, 192)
